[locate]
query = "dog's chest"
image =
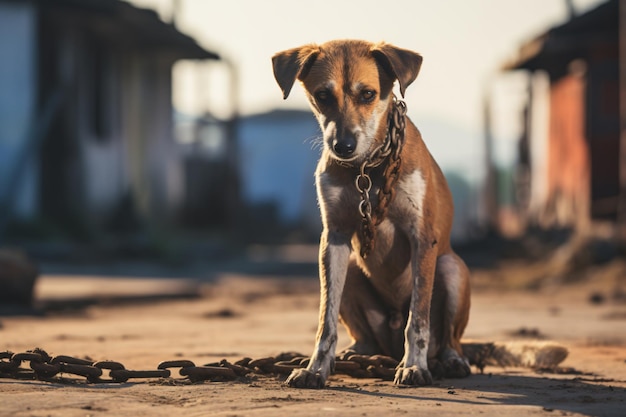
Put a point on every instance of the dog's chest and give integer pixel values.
(389, 259)
(342, 202)
(339, 204)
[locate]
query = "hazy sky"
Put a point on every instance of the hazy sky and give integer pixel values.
(463, 42)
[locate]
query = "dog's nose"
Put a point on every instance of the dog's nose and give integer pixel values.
(344, 147)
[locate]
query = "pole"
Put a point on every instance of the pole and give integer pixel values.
(621, 215)
(491, 179)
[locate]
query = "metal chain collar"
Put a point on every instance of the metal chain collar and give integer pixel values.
(46, 368)
(391, 149)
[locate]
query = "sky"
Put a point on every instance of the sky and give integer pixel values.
(464, 44)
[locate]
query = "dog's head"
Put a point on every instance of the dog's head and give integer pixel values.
(349, 85)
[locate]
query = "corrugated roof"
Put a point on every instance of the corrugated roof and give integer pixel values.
(137, 25)
(578, 32)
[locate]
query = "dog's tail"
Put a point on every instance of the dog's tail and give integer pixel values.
(536, 355)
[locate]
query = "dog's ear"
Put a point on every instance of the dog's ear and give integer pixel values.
(291, 64)
(402, 64)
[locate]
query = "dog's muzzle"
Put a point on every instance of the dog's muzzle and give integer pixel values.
(344, 147)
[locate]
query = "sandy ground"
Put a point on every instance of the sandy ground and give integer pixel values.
(240, 316)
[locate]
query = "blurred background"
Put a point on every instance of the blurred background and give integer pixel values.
(153, 130)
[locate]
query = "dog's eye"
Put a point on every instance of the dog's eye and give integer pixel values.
(323, 96)
(367, 95)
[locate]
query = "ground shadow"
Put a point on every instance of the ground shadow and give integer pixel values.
(588, 396)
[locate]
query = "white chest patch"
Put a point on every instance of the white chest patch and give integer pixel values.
(329, 193)
(413, 189)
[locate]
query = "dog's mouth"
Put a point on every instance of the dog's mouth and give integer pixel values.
(344, 159)
(348, 161)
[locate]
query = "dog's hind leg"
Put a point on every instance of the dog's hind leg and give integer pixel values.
(372, 327)
(450, 313)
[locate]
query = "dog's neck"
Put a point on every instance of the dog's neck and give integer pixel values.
(386, 156)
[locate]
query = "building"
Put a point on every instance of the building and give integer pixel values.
(279, 153)
(569, 162)
(86, 126)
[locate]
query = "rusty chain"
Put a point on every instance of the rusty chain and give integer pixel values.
(391, 149)
(42, 366)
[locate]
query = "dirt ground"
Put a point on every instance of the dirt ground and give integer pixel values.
(243, 315)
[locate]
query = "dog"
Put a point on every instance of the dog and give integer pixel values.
(389, 275)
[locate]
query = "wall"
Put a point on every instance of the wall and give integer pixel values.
(18, 97)
(568, 153)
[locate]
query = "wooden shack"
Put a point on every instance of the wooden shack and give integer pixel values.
(581, 179)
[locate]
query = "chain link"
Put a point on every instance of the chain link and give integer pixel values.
(390, 149)
(42, 366)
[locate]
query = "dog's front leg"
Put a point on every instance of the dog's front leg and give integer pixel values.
(334, 259)
(413, 369)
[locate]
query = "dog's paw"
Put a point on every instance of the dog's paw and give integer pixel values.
(456, 367)
(413, 376)
(302, 378)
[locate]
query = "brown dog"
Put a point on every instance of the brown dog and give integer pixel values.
(385, 256)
